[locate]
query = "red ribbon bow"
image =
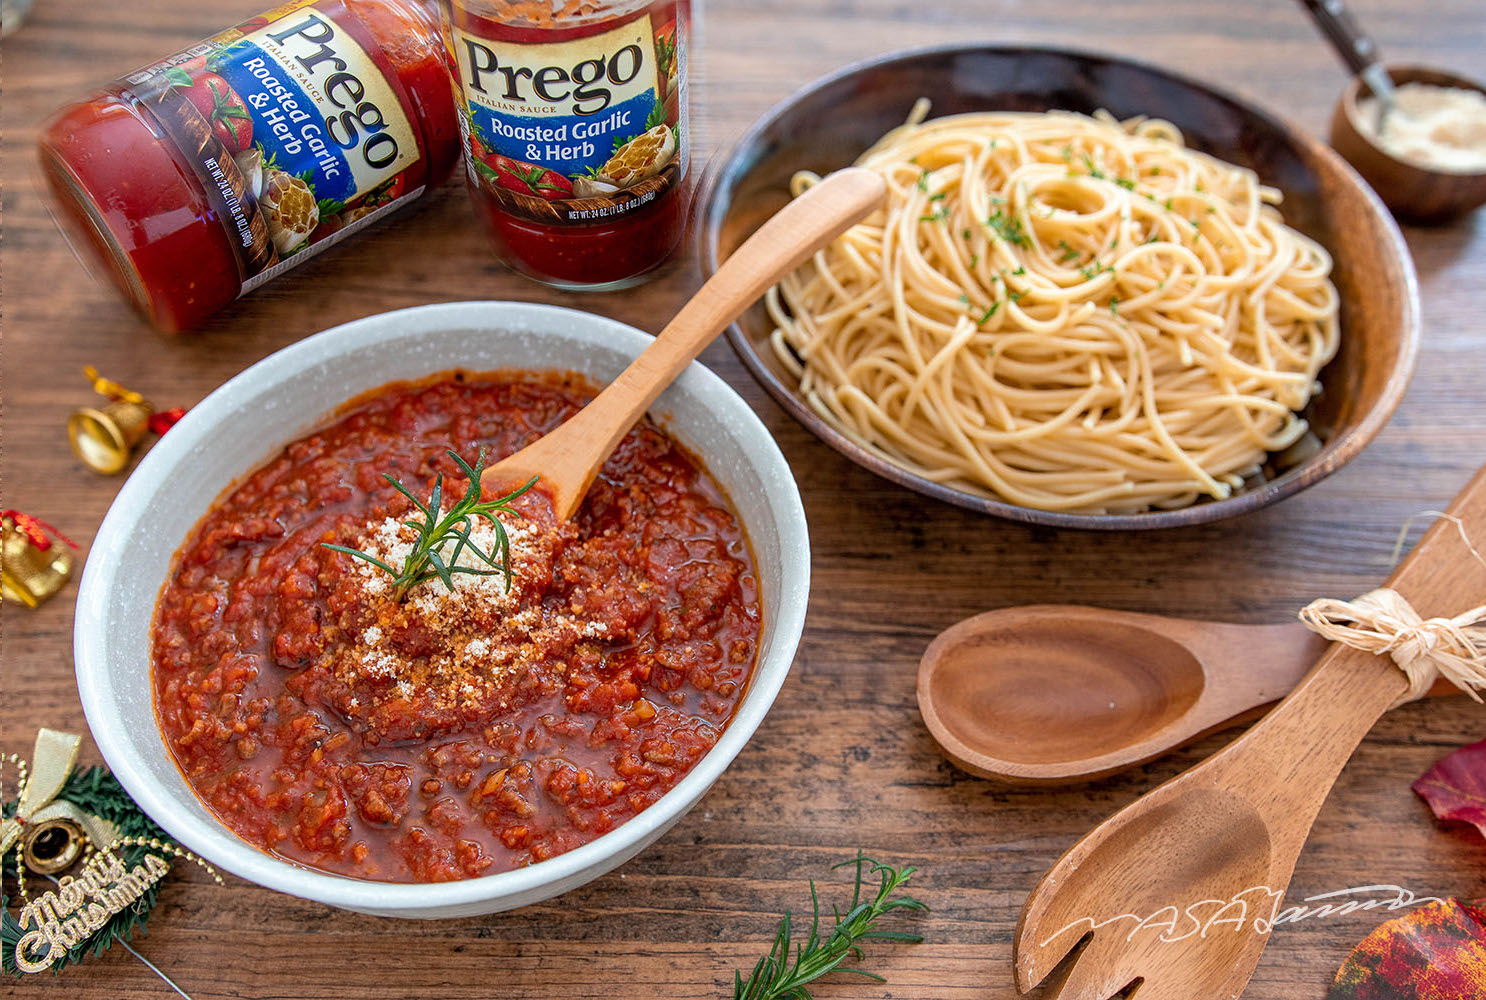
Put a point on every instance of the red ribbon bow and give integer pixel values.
(35, 529)
(164, 420)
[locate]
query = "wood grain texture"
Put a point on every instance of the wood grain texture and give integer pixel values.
(1231, 828)
(843, 759)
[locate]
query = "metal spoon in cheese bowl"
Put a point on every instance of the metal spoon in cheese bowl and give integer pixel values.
(567, 460)
(1051, 694)
(1417, 141)
(1357, 50)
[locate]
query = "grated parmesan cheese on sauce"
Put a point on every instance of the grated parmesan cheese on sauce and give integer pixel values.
(453, 650)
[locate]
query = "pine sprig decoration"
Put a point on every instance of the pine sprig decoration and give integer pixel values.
(96, 791)
(428, 559)
(785, 974)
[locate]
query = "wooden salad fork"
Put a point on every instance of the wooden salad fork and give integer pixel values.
(566, 461)
(1175, 892)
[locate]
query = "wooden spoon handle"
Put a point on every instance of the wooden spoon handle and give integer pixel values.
(1289, 761)
(1249, 667)
(568, 458)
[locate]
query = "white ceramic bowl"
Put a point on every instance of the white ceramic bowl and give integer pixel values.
(285, 396)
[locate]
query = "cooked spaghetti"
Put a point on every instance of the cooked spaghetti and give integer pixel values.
(1063, 312)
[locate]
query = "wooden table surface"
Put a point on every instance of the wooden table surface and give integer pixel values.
(843, 760)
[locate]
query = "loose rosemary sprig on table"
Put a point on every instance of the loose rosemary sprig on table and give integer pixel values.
(778, 976)
(436, 529)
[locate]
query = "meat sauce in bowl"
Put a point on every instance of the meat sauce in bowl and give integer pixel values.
(451, 735)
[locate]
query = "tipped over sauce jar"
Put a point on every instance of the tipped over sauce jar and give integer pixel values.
(199, 178)
(576, 132)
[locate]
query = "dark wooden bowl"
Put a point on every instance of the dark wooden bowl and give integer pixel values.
(1414, 194)
(831, 122)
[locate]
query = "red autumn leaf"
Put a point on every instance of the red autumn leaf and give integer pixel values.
(1437, 952)
(1455, 788)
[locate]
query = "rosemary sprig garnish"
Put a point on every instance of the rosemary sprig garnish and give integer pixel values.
(778, 976)
(436, 530)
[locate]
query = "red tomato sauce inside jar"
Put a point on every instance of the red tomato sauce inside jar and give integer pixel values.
(601, 256)
(450, 736)
(137, 213)
(529, 194)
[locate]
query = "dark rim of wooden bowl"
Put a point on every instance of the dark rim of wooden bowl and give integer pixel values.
(1320, 165)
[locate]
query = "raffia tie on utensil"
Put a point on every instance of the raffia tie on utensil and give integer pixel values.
(1425, 649)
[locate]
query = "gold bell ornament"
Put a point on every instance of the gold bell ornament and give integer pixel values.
(105, 437)
(32, 566)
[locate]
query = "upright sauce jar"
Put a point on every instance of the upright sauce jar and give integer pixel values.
(576, 132)
(197, 179)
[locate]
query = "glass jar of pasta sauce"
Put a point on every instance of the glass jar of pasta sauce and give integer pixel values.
(197, 179)
(576, 132)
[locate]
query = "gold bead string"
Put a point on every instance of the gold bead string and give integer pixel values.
(20, 766)
(89, 848)
(22, 774)
(20, 873)
(20, 850)
(168, 847)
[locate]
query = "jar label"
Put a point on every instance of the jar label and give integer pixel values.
(298, 137)
(577, 130)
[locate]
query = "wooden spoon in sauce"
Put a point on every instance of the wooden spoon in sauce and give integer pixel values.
(567, 460)
(1050, 694)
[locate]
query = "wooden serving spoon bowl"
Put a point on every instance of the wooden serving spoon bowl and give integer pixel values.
(1048, 694)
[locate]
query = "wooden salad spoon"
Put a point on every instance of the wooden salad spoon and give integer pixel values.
(1047, 694)
(1141, 896)
(567, 459)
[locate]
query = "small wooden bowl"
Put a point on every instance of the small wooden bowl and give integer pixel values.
(831, 122)
(1413, 193)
